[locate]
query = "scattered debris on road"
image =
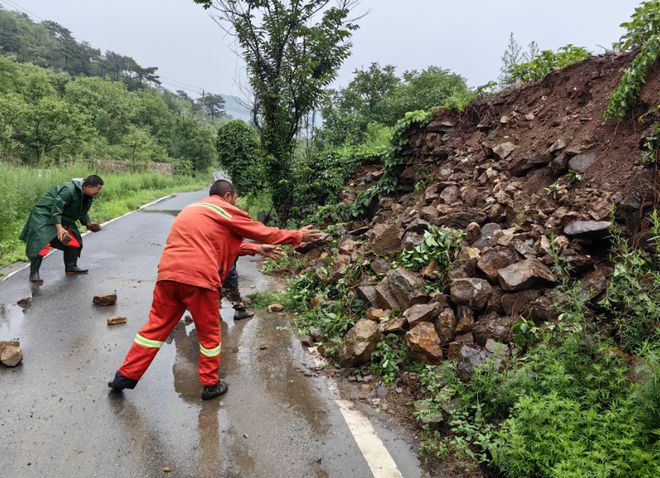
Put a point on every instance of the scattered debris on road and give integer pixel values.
(10, 353)
(117, 319)
(275, 308)
(25, 302)
(105, 299)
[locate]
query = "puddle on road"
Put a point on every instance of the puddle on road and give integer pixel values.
(11, 317)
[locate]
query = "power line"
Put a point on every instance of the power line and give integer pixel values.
(13, 4)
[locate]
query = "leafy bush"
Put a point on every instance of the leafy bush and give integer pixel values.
(239, 155)
(440, 244)
(389, 357)
(633, 294)
(643, 32)
(545, 61)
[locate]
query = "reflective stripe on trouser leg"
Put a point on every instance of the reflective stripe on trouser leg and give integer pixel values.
(166, 310)
(204, 306)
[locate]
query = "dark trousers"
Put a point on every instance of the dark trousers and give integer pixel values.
(230, 288)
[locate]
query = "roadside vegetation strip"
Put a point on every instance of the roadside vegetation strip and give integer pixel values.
(21, 188)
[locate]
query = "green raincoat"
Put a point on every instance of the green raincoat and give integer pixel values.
(64, 204)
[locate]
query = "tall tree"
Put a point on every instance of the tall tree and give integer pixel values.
(292, 49)
(213, 105)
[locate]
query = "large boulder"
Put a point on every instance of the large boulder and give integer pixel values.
(421, 313)
(487, 231)
(384, 297)
(423, 343)
(588, 229)
(581, 162)
(469, 358)
(495, 259)
(385, 238)
(503, 150)
(493, 326)
(519, 302)
(454, 347)
(471, 292)
(445, 325)
(407, 287)
(465, 320)
(359, 343)
(524, 275)
(368, 294)
(380, 266)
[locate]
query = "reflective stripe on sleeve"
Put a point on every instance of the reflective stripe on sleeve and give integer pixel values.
(212, 207)
(214, 352)
(145, 342)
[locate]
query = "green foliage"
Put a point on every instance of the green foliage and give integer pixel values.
(240, 156)
(626, 92)
(289, 262)
(524, 332)
(633, 294)
(440, 244)
(320, 176)
(389, 357)
(378, 96)
(50, 45)
(643, 32)
(542, 63)
(292, 51)
(643, 25)
(48, 118)
(388, 183)
(650, 147)
(573, 177)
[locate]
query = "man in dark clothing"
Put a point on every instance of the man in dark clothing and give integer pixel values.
(231, 292)
(52, 222)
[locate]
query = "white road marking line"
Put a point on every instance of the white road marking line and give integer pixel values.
(88, 232)
(380, 461)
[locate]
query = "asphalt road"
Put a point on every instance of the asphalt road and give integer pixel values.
(57, 417)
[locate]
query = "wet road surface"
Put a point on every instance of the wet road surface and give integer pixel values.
(57, 417)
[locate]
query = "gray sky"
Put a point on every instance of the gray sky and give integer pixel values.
(465, 36)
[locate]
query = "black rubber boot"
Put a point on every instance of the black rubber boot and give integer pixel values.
(34, 270)
(120, 382)
(71, 262)
(242, 313)
(212, 391)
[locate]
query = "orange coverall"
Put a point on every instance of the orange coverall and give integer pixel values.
(205, 240)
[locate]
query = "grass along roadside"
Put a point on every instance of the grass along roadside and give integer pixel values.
(21, 188)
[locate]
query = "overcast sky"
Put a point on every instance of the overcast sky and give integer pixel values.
(465, 36)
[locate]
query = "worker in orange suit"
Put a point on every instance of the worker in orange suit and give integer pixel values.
(205, 240)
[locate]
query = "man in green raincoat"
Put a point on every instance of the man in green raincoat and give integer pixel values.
(52, 222)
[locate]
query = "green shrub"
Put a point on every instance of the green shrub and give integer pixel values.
(440, 244)
(239, 155)
(545, 61)
(643, 32)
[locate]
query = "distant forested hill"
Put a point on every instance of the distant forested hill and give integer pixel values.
(63, 100)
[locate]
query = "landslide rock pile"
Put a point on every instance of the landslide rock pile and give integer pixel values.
(498, 174)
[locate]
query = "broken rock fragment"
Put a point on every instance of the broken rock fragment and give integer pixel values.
(471, 292)
(275, 308)
(117, 319)
(10, 353)
(423, 343)
(105, 299)
(359, 343)
(524, 275)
